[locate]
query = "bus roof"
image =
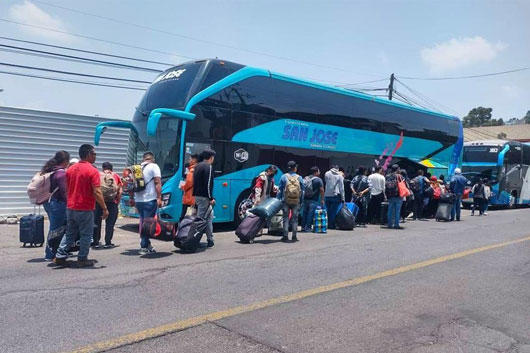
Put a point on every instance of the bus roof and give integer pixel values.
(248, 71)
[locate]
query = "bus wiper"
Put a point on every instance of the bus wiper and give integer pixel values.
(140, 111)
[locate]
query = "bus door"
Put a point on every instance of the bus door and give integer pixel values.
(513, 166)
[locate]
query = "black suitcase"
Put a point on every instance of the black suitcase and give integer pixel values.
(31, 230)
(190, 232)
(345, 220)
(443, 213)
(384, 213)
(249, 228)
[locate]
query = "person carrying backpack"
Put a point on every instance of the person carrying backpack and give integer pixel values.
(111, 188)
(361, 187)
(313, 190)
(149, 198)
(418, 186)
(55, 205)
(291, 193)
(394, 200)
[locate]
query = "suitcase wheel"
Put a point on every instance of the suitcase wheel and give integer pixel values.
(40, 245)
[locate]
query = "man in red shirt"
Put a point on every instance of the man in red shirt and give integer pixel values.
(84, 189)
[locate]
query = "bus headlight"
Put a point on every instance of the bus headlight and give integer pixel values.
(165, 199)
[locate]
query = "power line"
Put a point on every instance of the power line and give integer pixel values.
(362, 83)
(72, 73)
(97, 39)
(72, 81)
(428, 100)
(86, 51)
(464, 77)
(47, 54)
(198, 39)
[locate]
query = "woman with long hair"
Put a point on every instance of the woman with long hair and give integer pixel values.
(56, 207)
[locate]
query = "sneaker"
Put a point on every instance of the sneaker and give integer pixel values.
(96, 246)
(294, 238)
(109, 246)
(84, 263)
(143, 251)
(398, 227)
(59, 261)
(210, 243)
(284, 239)
(484, 214)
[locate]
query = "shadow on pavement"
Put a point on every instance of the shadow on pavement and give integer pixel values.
(39, 259)
(156, 255)
(130, 252)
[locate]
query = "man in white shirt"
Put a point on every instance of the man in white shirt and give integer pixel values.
(377, 192)
(148, 200)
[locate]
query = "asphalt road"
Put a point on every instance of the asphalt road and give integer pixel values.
(433, 287)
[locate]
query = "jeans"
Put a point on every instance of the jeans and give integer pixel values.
(294, 218)
(394, 208)
(332, 205)
(109, 222)
(374, 208)
(456, 208)
(145, 210)
(56, 211)
(308, 213)
(203, 210)
(78, 222)
(478, 204)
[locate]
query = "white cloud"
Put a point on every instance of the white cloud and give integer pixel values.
(32, 14)
(459, 53)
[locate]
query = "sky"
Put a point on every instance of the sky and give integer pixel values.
(336, 42)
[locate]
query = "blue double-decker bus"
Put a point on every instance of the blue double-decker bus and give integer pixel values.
(254, 118)
(505, 164)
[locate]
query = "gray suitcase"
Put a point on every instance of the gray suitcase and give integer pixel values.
(443, 213)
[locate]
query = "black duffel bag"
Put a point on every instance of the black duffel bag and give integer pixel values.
(448, 198)
(345, 220)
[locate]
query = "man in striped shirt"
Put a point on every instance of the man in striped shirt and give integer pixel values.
(203, 190)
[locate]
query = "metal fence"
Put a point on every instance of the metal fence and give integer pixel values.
(28, 138)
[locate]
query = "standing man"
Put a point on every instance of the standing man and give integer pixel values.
(111, 188)
(392, 194)
(292, 194)
(377, 180)
(313, 189)
(457, 186)
(148, 200)
(84, 189)
(187, 188)
(203, 191)
(361, 189)
(334, 193)
(419, 184)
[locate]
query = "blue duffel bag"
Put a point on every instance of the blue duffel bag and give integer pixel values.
(267, 209)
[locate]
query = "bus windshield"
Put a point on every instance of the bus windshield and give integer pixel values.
(483, 154)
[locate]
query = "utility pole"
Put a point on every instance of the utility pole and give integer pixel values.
(391, 87)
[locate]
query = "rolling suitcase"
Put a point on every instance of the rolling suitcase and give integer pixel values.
(383, 213)
(31, 230)
(276, 224)
(345, 220)
(443, 213)
(320, 222)
(249, 228)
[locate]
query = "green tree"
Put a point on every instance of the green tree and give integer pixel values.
(527, 117)
(479, 116)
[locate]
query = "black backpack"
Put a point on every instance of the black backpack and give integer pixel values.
(391, 186)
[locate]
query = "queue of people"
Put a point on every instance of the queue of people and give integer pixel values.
(82, 197)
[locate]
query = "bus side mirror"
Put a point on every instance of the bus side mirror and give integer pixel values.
(156, 114)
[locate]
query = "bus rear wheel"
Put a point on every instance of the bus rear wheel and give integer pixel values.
(243, 204)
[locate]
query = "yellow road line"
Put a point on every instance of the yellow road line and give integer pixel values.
(195, 321)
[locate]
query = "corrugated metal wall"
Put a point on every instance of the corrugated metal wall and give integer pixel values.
(28, 138)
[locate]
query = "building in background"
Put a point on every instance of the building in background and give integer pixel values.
(29, 138)
(519, 133)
